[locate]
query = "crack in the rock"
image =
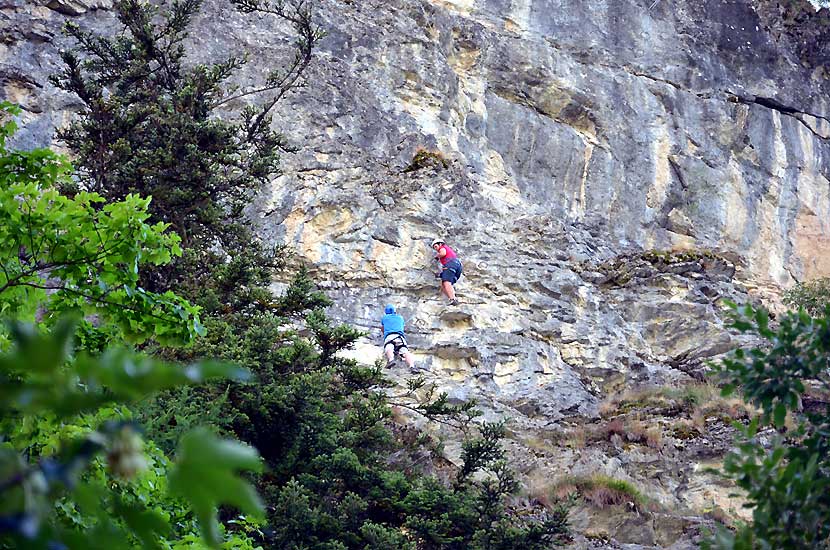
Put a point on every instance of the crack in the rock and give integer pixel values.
(675, 85)
(767, 102)
(782, 108)
(788, 270)
(386, 240)
(10, 74)
(522, 98)
(678, 173)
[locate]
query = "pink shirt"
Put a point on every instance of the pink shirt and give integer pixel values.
(451, 255)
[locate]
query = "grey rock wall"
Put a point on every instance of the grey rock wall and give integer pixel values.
(579, 134)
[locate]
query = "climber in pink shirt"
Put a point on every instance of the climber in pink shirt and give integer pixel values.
(450, 268)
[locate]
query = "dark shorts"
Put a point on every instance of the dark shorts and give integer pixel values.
(451, 271)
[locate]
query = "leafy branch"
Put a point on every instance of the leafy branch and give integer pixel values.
(80, 254)
(785, 473)
(41, 376)
(424, 399)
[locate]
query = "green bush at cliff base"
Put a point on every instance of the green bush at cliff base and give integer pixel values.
(74, 470)
(785, 473)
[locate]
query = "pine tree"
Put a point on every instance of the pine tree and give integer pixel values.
(149, 122)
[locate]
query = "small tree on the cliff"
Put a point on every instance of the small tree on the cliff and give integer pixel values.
(785, 473)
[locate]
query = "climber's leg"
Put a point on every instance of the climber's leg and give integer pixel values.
(448, 290)
(449, 276)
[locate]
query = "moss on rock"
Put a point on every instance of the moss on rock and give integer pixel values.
(424, 158)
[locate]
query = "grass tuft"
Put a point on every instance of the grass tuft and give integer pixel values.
(703, 400)
(600, 491)
(631, 430)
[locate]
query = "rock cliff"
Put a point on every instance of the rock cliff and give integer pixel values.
(609, 172)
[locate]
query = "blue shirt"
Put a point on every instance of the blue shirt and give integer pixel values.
(392, 322)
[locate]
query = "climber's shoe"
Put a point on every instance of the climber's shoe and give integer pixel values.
(453, 302)
(390, 364)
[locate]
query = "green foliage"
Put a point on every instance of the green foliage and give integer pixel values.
(812, 296)
(773, 378)
(61, 254)
(34, 380)
(320, 422)
(74, 470)
(423, 399)
(206, 475)
(787, 478)
(472, 513)
(52, 482)
(481, 452)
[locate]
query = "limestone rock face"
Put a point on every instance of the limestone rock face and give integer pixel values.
(578, 136)
(77, 7)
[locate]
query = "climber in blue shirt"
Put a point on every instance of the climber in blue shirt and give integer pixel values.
(394, 341)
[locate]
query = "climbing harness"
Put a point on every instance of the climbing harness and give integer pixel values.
(398, 343)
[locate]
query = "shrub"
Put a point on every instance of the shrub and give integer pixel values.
(813, 296)
(600, 490)
(699, 400)
(425, 158)
(64, 254)
(149, 123)
(787, 480)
